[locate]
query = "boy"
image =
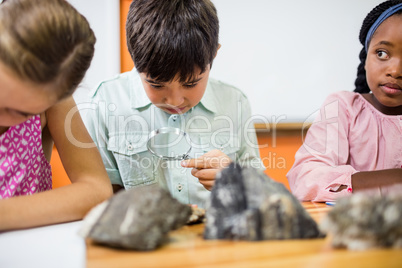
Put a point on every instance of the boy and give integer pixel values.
(173, 44)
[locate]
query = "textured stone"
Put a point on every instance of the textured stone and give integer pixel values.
(245, 204)
(362, 221)
(139, 218)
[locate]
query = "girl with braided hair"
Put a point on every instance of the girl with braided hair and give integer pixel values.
(355, 143)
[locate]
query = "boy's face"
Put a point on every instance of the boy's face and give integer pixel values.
(175, 97)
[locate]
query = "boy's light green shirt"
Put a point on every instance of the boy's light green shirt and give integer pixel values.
(121, 117)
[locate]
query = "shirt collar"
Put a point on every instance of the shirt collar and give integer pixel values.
(209, 99)
(139, 98)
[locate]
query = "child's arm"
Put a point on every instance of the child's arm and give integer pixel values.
(90, 183)
(208, 165)
(377, 178)
(320, 171)
(319, 176)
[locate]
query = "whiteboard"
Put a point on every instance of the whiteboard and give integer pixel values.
(286, 56)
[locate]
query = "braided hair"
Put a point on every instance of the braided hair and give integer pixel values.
(361, 82)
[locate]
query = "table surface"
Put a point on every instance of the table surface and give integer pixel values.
(187, 248)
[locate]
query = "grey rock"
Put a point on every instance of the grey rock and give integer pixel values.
(246, 204)
(139, 219)
(362, 221)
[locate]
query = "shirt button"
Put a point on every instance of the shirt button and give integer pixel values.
(130, 147)
(174, 118)
(179, 187)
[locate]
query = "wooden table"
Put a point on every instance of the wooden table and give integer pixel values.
(187, 248)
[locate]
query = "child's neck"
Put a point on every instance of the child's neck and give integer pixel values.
(382, 108)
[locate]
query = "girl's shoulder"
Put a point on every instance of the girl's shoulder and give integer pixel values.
(354, 105)
(346, 102)
(347, 98)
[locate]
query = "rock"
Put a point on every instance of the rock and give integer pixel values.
(197, 215)
(245, 204)
(362, 221)
(139, 218)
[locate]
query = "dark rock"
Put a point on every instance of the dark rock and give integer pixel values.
(362, 221)
(245, 204)
(139, 218)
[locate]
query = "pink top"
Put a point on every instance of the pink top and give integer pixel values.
(24, 170)
(349, 135)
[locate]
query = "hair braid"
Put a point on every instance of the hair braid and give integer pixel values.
(361, 82)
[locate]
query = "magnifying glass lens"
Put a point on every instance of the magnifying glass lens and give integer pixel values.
(169, 143)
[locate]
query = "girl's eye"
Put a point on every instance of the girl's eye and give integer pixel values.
(382, 55)
(18, 113)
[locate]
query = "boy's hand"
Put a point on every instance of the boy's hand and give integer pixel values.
(207, 166)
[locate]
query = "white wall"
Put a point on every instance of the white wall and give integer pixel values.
(104, 18)
(287, 56)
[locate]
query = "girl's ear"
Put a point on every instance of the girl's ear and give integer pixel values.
(216, 53)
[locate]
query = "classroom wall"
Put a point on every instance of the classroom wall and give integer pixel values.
(103, 16)
(277, 147)
(287, 56)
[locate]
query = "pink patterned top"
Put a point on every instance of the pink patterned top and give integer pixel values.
(349, 135)
(24, 169)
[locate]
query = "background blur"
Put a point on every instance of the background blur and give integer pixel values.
(287, 56)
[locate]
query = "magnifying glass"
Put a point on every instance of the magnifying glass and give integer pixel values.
(169, 143)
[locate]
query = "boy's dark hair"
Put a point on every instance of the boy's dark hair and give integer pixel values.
(361, 82)
(167, 38)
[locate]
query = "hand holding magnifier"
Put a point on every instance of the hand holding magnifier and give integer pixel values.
(174, 144)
